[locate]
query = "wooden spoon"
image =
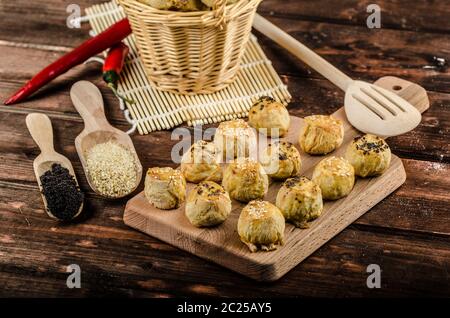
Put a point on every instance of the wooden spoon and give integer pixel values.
(40, 128)
(369, 108)
(88, 101)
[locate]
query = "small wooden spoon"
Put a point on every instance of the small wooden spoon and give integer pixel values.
(88, 101)
(40, 128)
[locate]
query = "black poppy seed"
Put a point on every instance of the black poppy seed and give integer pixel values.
(61, 192)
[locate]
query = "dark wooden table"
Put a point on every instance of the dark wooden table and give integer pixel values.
(407, 234)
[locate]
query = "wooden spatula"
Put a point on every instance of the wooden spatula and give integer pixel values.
(40, 128)
(88, 101)
(369, 108)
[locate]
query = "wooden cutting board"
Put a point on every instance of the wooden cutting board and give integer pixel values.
(222, 245)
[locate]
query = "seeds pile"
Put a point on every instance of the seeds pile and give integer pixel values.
(112, 169)
(61, 192)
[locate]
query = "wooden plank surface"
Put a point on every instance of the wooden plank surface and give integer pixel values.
(407, 234)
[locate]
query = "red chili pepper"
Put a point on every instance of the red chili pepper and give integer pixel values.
(113, 66)
(113, 35)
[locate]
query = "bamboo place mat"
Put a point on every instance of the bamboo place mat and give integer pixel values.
(156, 110)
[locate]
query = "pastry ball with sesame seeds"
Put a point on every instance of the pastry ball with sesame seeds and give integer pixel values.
(235, 138)
(202, 163)
(165, 188)
(321, 134)
(245, 180)
(335, 177)
(370, 155)
(281, 160)
(300, 201)
(207, 205)
(269, 117)
(261, 226)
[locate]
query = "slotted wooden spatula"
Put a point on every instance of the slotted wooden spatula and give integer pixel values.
(369, 108)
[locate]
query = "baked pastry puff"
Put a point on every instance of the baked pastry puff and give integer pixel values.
(261, 226)
(335, 177)
(165, 188)
(281, 160)
(300, 201)
(370, 155)
(201, 162)
(207, 205)
(235, 138)
(245, 180)
(321, 134)
(269, 117)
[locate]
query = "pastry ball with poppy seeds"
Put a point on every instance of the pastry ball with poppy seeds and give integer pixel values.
(207, 205)
(300, 201)
(202, 162)
(269, 117)
(370, 155)
(281, 160)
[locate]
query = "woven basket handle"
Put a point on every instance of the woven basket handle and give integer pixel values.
(219, 11)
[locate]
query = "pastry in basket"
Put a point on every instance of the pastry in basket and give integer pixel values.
(245, 180)
(165, 188)
(181, 5)
(321, 134)
(335, 177)
(281, 160)
(207, 205)
(210, 3)
(202, 162)
(300, 201)
(269, 117)
(261, 226)
(370, 155)
(235, 138)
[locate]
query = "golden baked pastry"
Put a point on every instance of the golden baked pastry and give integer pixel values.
(261, 226)
(207, 205)
(300, 201)
(165, 188)
(370, 155)
(245, 180)
(335, 177)
(321, 134)
(178, 5)
(269, 117)
(202, 162)
(235, 138)
(281, 160)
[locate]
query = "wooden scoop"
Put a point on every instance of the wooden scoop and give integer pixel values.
(369, 108)
(40, 128)
(88, 101)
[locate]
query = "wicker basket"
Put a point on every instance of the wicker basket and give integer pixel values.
(191, 52)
